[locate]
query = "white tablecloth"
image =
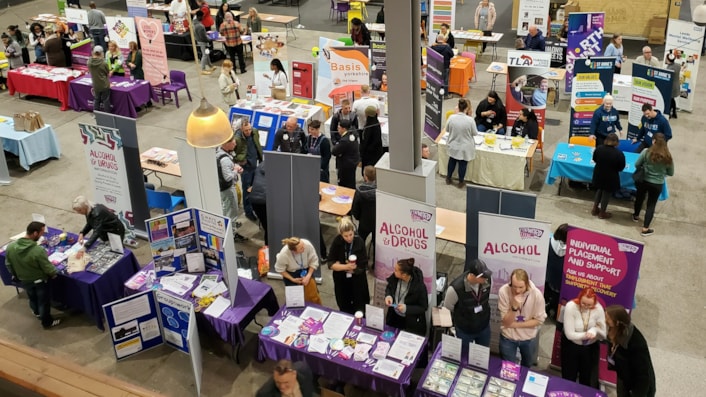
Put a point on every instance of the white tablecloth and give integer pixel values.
(29, 147)
(492, 166)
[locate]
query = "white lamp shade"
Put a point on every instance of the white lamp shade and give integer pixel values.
(699, 15)
(208, 127)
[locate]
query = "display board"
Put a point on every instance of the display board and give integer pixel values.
(137, 8)
(649, 85)
(350, 68)
(303, 80)
(324, 82)
(265, 48)
(378, 60)
(154, 51)
(527, 83)
(584, 39)
(434, 94)
(122, 31)
(593, 79)
(176, 315)
(533, 12)
(75, 15)
(685, 40)
(441, 11)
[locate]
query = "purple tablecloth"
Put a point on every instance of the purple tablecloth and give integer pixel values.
(250, 297)
(86, 291)
(336, 368)
(557, 387)
(125, 94)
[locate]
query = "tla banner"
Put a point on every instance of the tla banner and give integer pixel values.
(527, 83)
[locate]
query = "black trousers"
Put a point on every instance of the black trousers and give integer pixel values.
(39, 300)
(237, 51)
(579, 361)
(346, 177)
(261, 213)
(652, 192)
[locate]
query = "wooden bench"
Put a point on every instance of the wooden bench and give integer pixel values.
(51, 376)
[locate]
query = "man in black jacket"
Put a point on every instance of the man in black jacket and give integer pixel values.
(289, 379)
(363, 207)
(467, 298)
(444, 50)
(99, 219)
(290, 138)
(344, 113)
(347, 155)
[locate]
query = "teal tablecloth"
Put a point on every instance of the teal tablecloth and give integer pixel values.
(29, 147)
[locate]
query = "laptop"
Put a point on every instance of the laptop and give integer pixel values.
(487, 33)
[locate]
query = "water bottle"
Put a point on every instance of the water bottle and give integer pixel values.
(149, 280)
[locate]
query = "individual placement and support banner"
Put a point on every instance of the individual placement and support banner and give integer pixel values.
(593, 79)
(266, 47)
(649, 85)
(533, 12)
(324, 82)
(404, 229)
(685, 40)
(585, 39)
(303, 80)
(350, 69)
(378, 54)
(434, 95)
(527, 83)
(106, 165)
(154, 51)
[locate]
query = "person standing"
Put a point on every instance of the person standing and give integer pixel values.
(363, 207)
(629, 355)
(96, 25)
(468, 300)
(68, 38)
(248, 153)
(445, 51)
(54, 49)
(584, 327)
(228, 82)
(658, 164)
(22, 39)
(318, 144)
(296, 262)
(99, 219)
(461, 147)
(610, 161)
(485, 18)
(114, 59)
(606, 120)
(37, 36)
(615, 49)
(647, 59)
(521, 307)
(134, 62)
(555, 269)
(347, 154)
(534, 41)
(258, 197)
(359, 107)
(29, 265)
(289, 379)
(228, 173)
(204, 43)
(278, 81)
(100, 80)
(406, 297)
(343, 113)
(254, 23)
(207, 20)
(231, 30)
(491, 115)
(350, 283)
(676, 85)
(652, 122)
(371, 139)
(290, 138)
(359, 33)
(221, 14)
(13, 51)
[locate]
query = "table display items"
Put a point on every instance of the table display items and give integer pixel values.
(470, 383)
(441, 377)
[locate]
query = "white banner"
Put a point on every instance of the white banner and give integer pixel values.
(74, 15)
(324, 83)
(533, 12)
(122, 31)
(404, 229)
(350, 69)
(106, 164)
(685, 40)
(266, 47)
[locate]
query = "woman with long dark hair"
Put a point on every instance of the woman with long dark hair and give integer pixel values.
(606, 174)
(279, 79)
(584, 326)
(526, 125)
(22, 39)
(36, 40)
(657, 162)
(491, 114)
(221, 14)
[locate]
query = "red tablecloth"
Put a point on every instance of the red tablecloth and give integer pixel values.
(21, 80)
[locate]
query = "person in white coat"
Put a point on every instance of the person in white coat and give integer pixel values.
(584, 326)
(460, 129)
(228, 82)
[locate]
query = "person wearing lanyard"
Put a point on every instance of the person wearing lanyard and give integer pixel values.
(584, 325)
(468, 300)
(606, 120)
(406, 296)
(348, 259)
(521, 306)
(629, 355)
(296, 262)
(318, 144)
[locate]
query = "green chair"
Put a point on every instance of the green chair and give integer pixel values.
(347, 40)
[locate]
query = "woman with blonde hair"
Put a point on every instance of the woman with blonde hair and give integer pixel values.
(657, 162)
(228, 82)
(114, 59)
(348, 259)
(485, 18)
(253, 22)
(296, 262)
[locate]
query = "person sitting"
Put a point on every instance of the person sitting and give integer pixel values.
(491, 115)
(359, 33)
(647, 59)
(534, 41)
(289, 379)
(446, 32)
(526, 125)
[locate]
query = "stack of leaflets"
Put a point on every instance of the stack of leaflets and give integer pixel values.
(440, 377)
(499, 388)
(469, 383)
(312, 327)
(510, 371)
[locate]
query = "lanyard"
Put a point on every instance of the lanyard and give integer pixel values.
(350, 251)
(401, 293)
(585, 320)
(300, 262)
(478, 296)
(523, 305)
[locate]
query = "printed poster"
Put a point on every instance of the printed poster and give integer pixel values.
(533, 12)
(75, 15)
(176, 315)
(685, 40)
(441, 11)
(266, 47)
(585, 39)
(649, 85)
(350, 69)
(404, 229)
(324, 83)
(137, 8)
(378, 70)
(591, 83)
(122, 31)
(434, 97)
(106, 166)
(527, 83)
(154, 51)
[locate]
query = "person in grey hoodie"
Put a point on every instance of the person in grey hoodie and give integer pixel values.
(101, 82)
(204, 42)
(13, 51)
(363, 207)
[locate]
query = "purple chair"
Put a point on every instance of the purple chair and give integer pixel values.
(177, 80)
(341, 8)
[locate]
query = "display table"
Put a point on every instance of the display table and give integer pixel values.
(285, 20)
(336, 368)
(42, 80)
(178, 46)
(125, 95)
(250, 297)
(451, 225)
(157, 160)
(556, 387)
(622, 92)
(29, 147)
(492, 166)
(460, 73)
(575, 162)
(477, 36)
(332, 193)
(85, 291)
(384, 127)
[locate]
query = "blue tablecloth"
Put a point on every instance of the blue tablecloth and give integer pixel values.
(556, 386)
(29, 147)
(86, 291)
(576, 164)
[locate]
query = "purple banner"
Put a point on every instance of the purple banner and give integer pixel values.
(585, 38)
(435, 82)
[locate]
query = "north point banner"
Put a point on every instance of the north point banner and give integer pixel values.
(685, 40)
(527, 83)
(154, 51)
(593, 79)
(649, 85)
(584, 39)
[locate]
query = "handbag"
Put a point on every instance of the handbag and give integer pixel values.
(639, 175)
(311, 292)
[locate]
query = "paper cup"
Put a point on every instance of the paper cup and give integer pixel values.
(352, 259)
(358, 317)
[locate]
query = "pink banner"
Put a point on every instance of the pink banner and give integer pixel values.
(154, 52)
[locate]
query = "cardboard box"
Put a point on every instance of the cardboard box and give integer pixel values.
(570, 9)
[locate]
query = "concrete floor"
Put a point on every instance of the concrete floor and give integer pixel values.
(670, 274)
